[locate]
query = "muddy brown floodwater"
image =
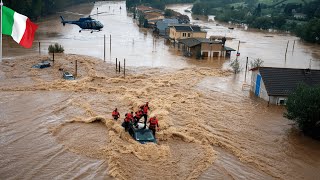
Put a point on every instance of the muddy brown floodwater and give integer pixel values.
(210, 129)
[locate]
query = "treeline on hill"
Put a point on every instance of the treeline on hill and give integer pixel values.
(158, 4)
(37, 8)
(301, 17)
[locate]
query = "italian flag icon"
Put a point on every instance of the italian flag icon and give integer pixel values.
(18, 26)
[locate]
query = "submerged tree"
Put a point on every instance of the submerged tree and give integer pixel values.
(235, 65)
(56, 48)
(303, 107)
(256, 63)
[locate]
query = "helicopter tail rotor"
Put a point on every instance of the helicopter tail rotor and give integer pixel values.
(62, 21)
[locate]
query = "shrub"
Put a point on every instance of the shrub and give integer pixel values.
(256, 63)
(56, 48)
(235, 65)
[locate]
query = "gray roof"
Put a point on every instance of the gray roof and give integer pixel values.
(170, 21)
(190, 42)
(228, 48)
(187, 28)
(162, 25)
(282, 81)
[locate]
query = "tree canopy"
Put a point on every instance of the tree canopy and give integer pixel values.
(303, 107)
(302, 18)
(39, 7)
(158, 4)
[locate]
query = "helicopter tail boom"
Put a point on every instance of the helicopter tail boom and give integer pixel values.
(63, 21)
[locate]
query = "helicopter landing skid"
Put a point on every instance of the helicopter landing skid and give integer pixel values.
(89, 30)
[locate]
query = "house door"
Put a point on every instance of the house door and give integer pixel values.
(205, 54)
(215, 54)
(258, 81)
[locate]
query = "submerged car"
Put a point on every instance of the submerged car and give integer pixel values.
(68, 76)
(141, 135)
(42, 65)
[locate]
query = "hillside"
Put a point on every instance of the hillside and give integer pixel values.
(288, 15)
(36, 8)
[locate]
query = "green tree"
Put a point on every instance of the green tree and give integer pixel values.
(278, 21)
(36, 8)
(141, 20)
(310, 32)
(257, 11)
(262, 23)
(256, 63)
(169, 13)
(235, 65)
(303, 107)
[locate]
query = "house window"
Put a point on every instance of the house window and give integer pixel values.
(184, 34)
(188, 34)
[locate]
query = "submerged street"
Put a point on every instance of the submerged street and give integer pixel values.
(210, 128)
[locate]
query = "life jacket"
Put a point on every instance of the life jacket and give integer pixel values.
(138, 114)
(153, 122)
(128, 117)
(145, 109)
(115, 113)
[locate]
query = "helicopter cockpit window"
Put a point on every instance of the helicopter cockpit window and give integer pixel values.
(93, 24)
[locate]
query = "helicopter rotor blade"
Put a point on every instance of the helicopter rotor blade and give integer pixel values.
(98, 13)
(69, 12)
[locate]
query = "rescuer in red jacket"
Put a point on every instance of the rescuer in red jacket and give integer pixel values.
(154, 125)
(128, 120)
(115, 114)
(137, 117)
(145, 109)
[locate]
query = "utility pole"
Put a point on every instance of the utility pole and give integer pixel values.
(119, 66)
(116, 65)
(238, 54)
(76, 67)
(285, 56)
(110, 47)
(294, 42)
(245, 75)
(104, 48)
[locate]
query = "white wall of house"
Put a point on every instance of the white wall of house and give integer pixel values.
(213, 53)
(263, 92)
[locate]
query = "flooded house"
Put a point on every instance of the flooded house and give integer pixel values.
(149, 15)
(204, 46)
(275, 84)
(184, 31)
(162, 27)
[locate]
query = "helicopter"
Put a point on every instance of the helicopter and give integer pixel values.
(86, 23)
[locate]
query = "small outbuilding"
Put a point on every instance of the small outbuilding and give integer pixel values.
(206, 47)
(275, 84)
